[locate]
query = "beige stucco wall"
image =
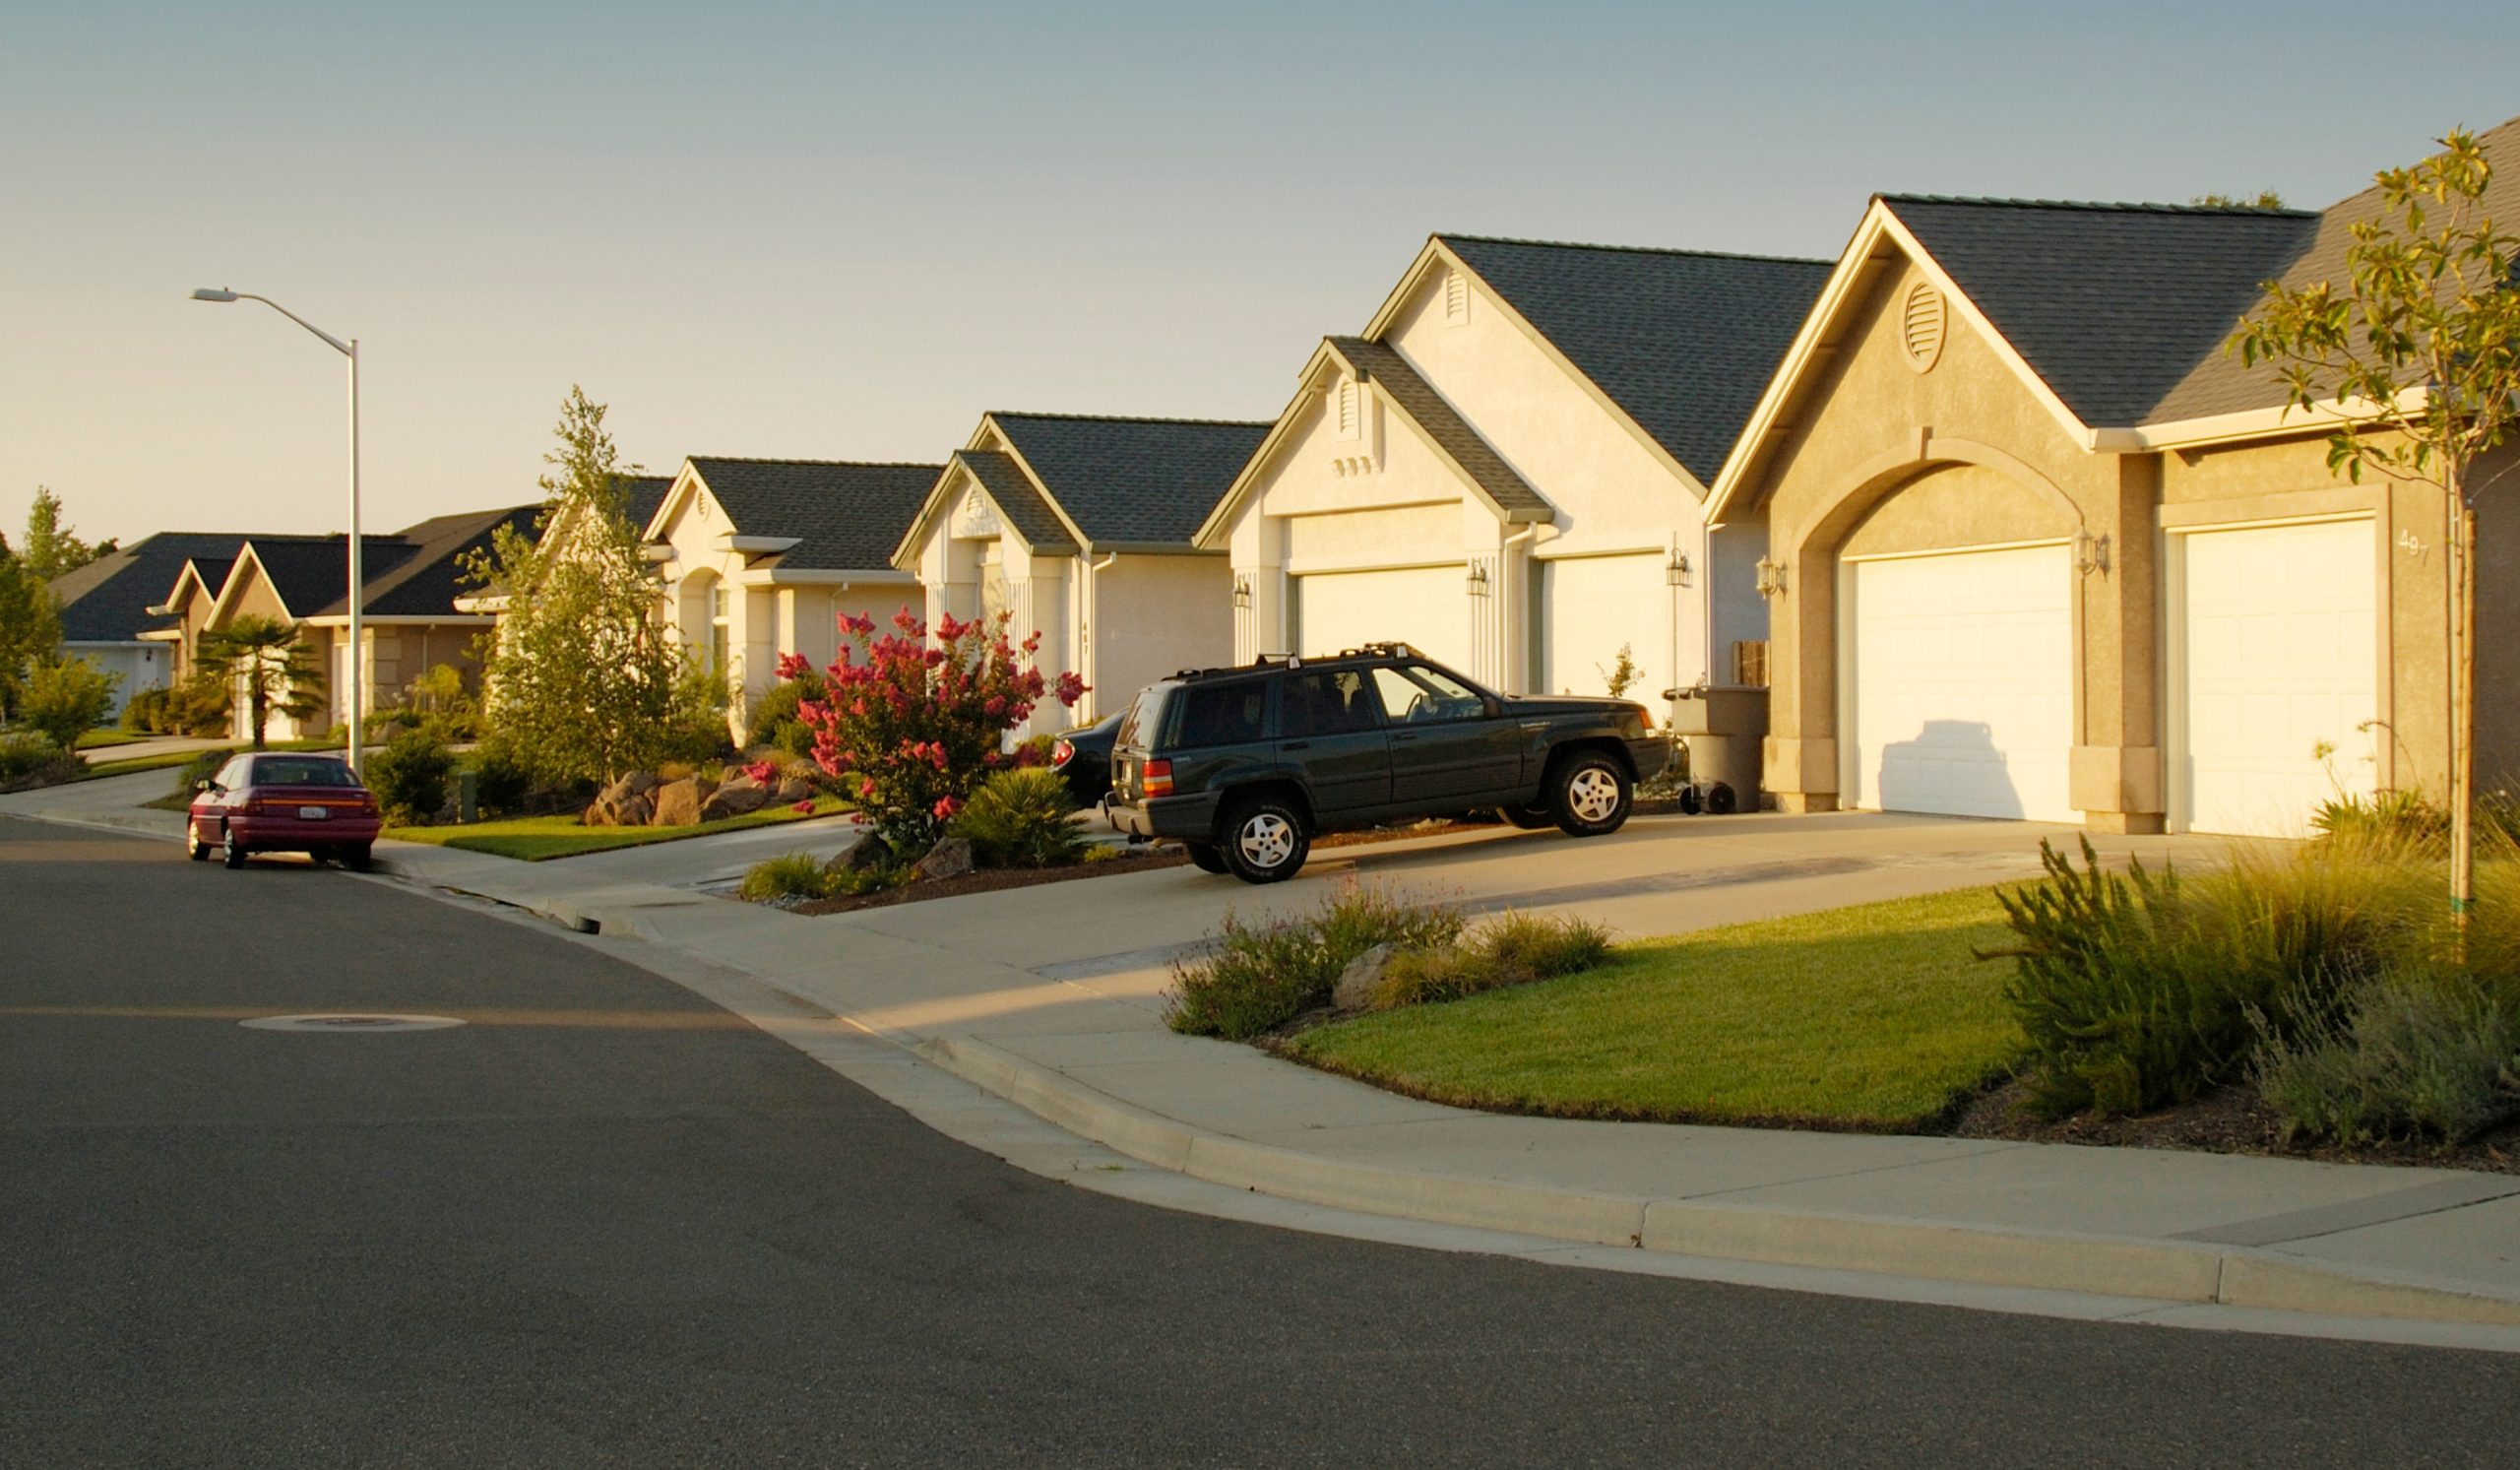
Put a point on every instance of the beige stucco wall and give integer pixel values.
(1152, 615)
(1879, 456)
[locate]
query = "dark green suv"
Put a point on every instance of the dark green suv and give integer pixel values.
(1244, 765)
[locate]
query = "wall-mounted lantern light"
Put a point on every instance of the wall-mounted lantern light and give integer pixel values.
(1675, 573)
(1770, 578)
(2090, 552)
(1241, 590)
(1479, 579)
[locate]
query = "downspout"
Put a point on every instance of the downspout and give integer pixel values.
(1085, 635)
(1518, 593)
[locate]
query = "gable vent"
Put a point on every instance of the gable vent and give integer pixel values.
(1456, 298)
(1922, 326)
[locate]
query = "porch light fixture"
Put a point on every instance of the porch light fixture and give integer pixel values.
(1479, 579)
(1241, 590)
(1770, 578)
(2090, 552)
(1675, 573)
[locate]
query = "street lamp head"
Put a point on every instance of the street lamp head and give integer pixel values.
(208, 295)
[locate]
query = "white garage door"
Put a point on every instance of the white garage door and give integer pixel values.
(1589, 605)
(2279, 643)
(1962, 673)
(1417, 606)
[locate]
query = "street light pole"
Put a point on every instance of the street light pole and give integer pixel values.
(356, 696)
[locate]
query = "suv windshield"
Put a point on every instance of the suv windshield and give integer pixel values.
(1417, 693)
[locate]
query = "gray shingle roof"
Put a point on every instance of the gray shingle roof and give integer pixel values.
(426, 582)
(1022, 505)
(312, 576)
(1455, 437)
(2217, 384)
(1684, 343)
(107, 601)
(2111, 304)
(847, 516)
(641, 494)
(1134, 481)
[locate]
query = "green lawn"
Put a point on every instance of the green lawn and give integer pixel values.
(1871, 1017)
(98, 770)
(536, 839)
(98, 739)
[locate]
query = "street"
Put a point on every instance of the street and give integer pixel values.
(605, 1221)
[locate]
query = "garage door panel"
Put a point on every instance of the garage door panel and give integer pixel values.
(2280, 656)
(1417, 606)
(1589, 605)
(1962, 683)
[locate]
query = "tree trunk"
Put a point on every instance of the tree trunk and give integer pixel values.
(2463, 714)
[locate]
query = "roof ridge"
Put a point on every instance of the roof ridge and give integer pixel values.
(1503, 240)
(1129, 419)
(750, 458)
(2102, 206)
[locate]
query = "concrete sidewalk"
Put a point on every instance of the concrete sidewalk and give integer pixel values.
(1051, 998)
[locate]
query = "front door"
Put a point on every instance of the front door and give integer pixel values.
(1443, 745)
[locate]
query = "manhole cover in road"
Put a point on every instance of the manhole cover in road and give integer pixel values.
(351, 1023)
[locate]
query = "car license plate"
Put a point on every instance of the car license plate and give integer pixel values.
(315, 813)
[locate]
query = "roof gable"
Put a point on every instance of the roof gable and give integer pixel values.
(846, 516)
(107, 601)
(1444, 427)
(1131, 481)
(1681, 342)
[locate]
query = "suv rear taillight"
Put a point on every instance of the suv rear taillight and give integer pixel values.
(1158, 778)
(1061, 754)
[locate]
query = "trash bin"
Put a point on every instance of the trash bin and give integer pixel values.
(1724, 727)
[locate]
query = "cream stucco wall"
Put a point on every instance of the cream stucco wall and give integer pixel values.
(1880, 457)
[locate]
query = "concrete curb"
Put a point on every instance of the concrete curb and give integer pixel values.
(1928, 1250)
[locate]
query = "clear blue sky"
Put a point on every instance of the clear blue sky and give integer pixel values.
(826, 231)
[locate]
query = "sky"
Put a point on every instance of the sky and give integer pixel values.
(832, 231)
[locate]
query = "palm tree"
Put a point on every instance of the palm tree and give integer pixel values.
(265, 658)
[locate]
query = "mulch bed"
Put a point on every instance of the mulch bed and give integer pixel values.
(2228, 1121)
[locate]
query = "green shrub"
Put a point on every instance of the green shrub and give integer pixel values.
(1022, 819)
(199, 707)
(144, 713)
(842, 882)
(2395, 818)
(2406, 1057)
(1511, 949)
(789, 875)
(501, 785)
(192, 773)
(2140, 990)
(773, 715)
(67, 699)
(29, 760)
(408, 777)
(1260, 978)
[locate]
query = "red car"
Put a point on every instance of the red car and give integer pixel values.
(284, 804)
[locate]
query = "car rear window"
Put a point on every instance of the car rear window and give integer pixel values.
(1225, 714)
(296, 770)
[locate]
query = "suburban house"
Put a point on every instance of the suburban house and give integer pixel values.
(2039, 548)
(409, 622)
(762, 557)
(1082, 530)
(1508, 469)
(110, 607)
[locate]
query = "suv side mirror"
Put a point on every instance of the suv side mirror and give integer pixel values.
(1494, 706)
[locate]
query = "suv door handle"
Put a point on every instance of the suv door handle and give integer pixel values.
(1294, 745)
(1398, 737)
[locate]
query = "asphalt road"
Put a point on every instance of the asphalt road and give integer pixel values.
(607, 1223)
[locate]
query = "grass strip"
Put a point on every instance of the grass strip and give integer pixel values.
(539, 839)
(1876, 1018)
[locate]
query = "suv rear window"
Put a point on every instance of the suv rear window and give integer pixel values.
(1225, 714)
(1139, 727)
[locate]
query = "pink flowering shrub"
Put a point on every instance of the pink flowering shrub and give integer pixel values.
(910, 728)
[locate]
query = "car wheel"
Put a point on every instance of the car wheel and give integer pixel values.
(1529, 818)
(231, 851)
(1590, 796)
(193, 843)
(1205, 857)
(1265, 842)
(358, 859)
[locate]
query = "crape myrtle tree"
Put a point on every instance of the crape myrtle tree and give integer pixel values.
(581, 679)
(263, 659)
(911, 724)
(2415, 358)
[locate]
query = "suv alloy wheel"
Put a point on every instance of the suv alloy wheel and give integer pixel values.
(1590, 794)
(1265, 841)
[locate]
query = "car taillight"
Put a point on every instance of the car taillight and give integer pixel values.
(1156, 778)
(1061, 754)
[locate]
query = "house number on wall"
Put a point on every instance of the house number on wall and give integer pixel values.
(2411, 543)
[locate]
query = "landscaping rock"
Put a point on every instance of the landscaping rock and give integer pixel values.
(639, 782)
(792, 789)
(1357, 983)
(866, 854)
(634, 811)
(951, 858)
(677, 803)
(735, 798)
